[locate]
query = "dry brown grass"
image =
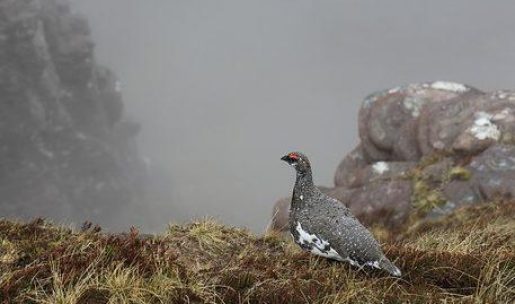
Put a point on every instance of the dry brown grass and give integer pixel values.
(468, 257)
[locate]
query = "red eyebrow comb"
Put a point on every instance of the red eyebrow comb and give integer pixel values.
(293, 156)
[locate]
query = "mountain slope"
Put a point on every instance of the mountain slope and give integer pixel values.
(466, 257)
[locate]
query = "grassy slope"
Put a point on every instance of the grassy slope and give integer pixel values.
(466, 257)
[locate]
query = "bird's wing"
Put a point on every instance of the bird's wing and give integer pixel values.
(346, 234)
(342, 208)
(359, 243)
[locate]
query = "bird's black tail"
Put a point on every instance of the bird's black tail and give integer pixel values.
(386, 265)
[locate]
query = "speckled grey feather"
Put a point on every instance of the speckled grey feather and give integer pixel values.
(324, 226)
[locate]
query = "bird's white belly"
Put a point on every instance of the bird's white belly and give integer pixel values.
(331, 254)
(318, 245)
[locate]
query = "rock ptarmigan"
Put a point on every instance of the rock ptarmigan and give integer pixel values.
(324, 226)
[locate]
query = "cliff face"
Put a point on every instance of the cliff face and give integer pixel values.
(66, 150)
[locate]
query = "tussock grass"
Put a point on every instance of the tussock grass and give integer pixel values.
(466, 257)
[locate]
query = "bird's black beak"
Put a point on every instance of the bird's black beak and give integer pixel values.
(289, 160)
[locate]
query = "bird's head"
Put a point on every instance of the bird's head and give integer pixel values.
(299, 161)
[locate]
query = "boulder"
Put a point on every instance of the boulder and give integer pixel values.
(346, 172)
(435, 146)
(407, 147)
(384, 203)
(380, 171)
(280, 216)
(457, 194)
(384, 114)
(440, 123)
(494, 172)
(437, 172)
(466, 125)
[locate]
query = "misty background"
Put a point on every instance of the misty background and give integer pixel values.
(224, 88)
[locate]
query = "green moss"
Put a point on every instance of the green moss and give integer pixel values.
(425, 198)
(433, 158)
(459, 173)
(427, 190)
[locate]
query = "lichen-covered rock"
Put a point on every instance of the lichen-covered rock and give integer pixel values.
(407, 147)
(440, 124)
(370, 150)
(353, 162)
(457, 194)
(438, 171)
(63, 146)
(468, 124)
(494, 172)
(495, 121)
(280, 216)
(379, 171)
(384, 114)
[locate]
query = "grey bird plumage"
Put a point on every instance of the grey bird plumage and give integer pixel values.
(324, 226)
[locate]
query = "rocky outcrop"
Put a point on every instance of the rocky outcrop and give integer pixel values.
(66, 151)
(429, 148)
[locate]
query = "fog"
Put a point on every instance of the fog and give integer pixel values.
(224, 88)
